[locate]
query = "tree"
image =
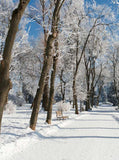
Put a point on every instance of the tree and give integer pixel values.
(41, 14)
(6, 8)
(114, 59)
(46, 65)
(52, 82)
(78, 28)
(5, 83)
(72, 29)
(23, 61)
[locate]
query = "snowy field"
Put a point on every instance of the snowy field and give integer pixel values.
(90, 135)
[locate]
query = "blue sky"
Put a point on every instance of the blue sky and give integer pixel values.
(35, 28)
(101, 1)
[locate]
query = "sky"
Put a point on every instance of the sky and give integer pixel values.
(35, 29)
(114, 6)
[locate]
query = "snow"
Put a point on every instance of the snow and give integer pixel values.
(10, 107)
(106, 104)
(90, 135)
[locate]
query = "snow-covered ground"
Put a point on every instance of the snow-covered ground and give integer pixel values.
(90, 135)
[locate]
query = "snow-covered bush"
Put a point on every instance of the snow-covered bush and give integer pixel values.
(16, 99)
(10, 107)
(107, 104)
(63, 106)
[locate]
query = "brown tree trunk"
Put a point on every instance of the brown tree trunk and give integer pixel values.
(46, 65)
(39, 93)
(99, 93)
(88, 103)
(88, 95)
(52, 84)
(118, 101)
(46, 94)
(63, 86)
(75, 96)
(46, 87)
(64, 90)
(100, 86)
(81, 106)
(73, 103)
(88, 72)
(92, 97)
(115, 86)
(97, 100)
(5, 83)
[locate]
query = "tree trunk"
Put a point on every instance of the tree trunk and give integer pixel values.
(5, 83)
(118, 102)
(99, 93)
(39, 93)
(46, 94)
(75, 96)
(73, 102)
(46, 65)
(51, 97)
(88, 94)
(63, 98)
(92, 96)
(46, 87)
(88, 102)
(115, 88)
(63, 85)
(80, 106)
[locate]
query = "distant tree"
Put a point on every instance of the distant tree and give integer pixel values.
(99, 90)
(27, 66)
(114, 59)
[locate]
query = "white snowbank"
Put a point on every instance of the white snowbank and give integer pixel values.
(63, 106)
(10, 107)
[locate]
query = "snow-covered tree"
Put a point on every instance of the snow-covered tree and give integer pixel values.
(46, 64)
(114, 68)
(5, 82)
(6, 8)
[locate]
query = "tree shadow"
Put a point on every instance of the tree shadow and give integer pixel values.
(14, 127)
(74, 137)
(89, 128)
(10, 134)
(98, 114)
(100, 120)
(103, 111)
(116, 118)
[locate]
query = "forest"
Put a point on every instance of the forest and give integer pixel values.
(58, 53)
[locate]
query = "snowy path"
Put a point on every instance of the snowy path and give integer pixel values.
(91, 136)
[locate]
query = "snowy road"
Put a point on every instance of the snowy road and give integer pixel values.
(91, 136)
